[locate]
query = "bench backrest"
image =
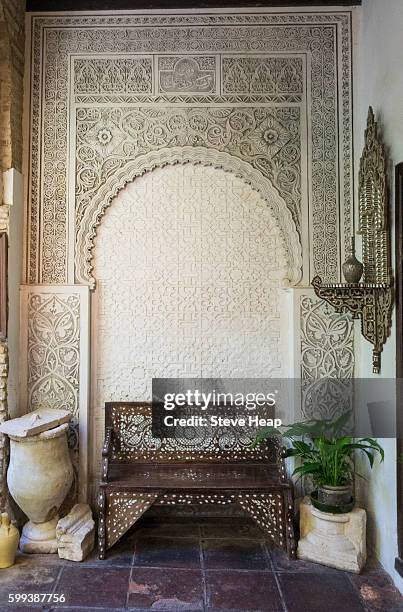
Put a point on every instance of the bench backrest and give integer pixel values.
(133, 440)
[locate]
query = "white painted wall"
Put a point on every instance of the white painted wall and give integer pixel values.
(379, 83)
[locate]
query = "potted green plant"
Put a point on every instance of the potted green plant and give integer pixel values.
(327, 456)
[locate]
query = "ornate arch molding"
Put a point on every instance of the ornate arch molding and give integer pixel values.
(92, 217)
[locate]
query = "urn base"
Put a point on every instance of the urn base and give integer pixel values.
(39, 537)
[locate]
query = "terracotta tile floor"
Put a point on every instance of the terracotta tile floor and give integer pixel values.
(210, 564)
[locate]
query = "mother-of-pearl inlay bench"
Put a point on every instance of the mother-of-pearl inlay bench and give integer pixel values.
(139, 470)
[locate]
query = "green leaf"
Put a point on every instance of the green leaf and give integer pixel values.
(302, 447)
(307, 468)
(342, 421)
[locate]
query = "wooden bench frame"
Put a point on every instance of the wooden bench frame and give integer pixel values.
(133, 471)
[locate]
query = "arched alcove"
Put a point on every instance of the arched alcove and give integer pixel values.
(189, 262)
(92, 216)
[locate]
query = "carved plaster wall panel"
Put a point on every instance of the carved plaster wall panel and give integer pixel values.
(53, 351)
(265, 97)
(251, 60)
(55, 337)
(327, 352)
(263, 75)
(122, 75)
(189, 263)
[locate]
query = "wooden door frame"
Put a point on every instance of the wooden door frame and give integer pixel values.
(399, 357)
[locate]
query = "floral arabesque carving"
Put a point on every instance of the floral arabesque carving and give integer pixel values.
(117, 75)
(53, 351)
(269, 139)
(53, 360)
(244, 75)
(327, 348)
(56, 38)
(93, 213)
(327, 359)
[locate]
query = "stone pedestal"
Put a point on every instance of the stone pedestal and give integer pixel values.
(336, 540)
(76, 533)
(39, 538)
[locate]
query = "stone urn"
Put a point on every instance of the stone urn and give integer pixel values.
(39, 477)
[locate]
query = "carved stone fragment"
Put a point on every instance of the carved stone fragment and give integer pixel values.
(75, 533)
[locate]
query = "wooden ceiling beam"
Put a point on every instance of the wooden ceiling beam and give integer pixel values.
(105, 5)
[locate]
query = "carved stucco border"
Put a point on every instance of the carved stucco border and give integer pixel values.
(129, 26)
(185, 155)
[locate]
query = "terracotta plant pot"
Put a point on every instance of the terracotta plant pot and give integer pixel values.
(39, 477)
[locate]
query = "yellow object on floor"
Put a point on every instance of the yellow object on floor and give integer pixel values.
(9, 538)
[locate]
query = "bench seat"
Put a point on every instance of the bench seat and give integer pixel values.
(197, 476)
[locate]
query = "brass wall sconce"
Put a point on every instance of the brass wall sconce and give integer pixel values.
(371, 300)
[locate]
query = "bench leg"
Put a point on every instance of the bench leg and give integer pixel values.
(289, 524)
(101, 525)
(268, 511)
(121, 510)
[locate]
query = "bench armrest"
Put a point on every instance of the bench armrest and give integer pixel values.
(106, 453)
(107, 447)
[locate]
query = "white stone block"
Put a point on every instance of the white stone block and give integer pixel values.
(336, 540)
(75, 533)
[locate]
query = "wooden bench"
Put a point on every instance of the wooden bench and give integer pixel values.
(139, 471)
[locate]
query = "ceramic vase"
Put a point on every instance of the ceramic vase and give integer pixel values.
(352, 268)
(9, 538)
(39, 477)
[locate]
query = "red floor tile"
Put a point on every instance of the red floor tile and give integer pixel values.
(166, 589)
(324, 592)
(93, 586)
(244, 591)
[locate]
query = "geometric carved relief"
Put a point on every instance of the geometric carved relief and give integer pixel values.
(327, 352)
(189, 261)
(282, 43)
